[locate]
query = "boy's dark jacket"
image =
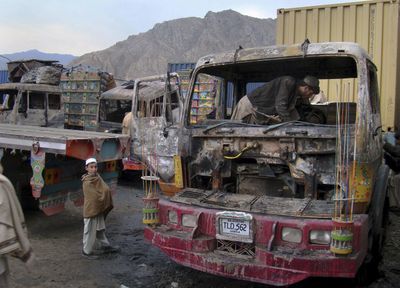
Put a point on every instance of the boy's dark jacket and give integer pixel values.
(97, 196)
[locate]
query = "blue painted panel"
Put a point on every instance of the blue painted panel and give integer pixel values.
(250, 87)
(3, 76)
(109, 149)
(176, 67)
(65, 186)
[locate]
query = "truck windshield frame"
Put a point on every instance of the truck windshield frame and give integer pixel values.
(217, 89)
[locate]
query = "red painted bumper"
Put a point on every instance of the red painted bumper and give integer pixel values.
(274, 266)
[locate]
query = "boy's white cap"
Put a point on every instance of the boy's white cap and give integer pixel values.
(91, 160)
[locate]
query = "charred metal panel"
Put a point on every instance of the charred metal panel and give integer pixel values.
(155, 146)
(32, 104)
(260, 204)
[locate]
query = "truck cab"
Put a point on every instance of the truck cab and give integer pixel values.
(114, 104)
(31, 104)
(271, 202)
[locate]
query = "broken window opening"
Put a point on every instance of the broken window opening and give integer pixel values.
(373, 88)
(337, 76)
(37, 100)
(8, 100)
(114, 110)
(23, 103)
(54, 101)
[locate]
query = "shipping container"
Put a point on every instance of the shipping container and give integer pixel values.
(176, 67)
(372, 24)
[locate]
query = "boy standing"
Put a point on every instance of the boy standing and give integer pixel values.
(97, 204)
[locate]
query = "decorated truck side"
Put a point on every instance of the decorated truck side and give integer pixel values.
(275, 203)
(45, 164)
(81, 89)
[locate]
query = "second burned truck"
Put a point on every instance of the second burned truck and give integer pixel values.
(277, 203)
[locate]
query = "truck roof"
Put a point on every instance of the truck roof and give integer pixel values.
(279, 51)
(30, 87)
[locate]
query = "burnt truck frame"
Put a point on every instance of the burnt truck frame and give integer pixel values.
(31, 104)
(156, 107)
(277, 182)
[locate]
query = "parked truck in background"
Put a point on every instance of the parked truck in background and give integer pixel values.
(31, 104)
(114, 104)
(45, 164)
(280, 203)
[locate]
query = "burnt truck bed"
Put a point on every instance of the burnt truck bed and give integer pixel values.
(73, 143)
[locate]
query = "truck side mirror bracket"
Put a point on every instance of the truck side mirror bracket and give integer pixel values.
(376, 130)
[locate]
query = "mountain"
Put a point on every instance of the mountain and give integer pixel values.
(180, 40)
(63, 59)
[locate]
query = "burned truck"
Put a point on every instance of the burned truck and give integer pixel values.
(44, 161)
(270, 202)
(33, 96)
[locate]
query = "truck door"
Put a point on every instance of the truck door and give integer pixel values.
(155, 133)
(7, 103)
(55, 117)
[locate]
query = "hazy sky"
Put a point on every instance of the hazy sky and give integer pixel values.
(81, 26)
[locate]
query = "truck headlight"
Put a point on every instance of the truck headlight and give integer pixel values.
(189, 220)
(173, 216)
(293, 235)
(320, 237)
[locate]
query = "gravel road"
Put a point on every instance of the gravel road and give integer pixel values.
(57, 242)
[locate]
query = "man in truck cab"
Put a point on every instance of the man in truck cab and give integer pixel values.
(279, 100)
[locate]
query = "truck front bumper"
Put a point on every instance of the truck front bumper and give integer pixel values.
(276, 267)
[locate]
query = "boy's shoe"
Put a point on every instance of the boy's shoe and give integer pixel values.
(111, 249)
(89, 256)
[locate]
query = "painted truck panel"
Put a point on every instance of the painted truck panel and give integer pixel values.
(46, 164)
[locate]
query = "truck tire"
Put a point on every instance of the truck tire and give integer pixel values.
(378, 215)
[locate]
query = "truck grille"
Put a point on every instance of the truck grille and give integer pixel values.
(237, 248)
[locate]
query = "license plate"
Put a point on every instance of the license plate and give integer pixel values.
(234, 226)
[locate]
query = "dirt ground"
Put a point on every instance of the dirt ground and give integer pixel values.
(57, 242)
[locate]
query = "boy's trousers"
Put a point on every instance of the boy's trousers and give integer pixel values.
(94, 236)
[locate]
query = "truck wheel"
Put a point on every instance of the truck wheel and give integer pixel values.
(378, 215)
(27, 200)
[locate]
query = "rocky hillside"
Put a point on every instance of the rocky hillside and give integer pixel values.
(181, 40)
